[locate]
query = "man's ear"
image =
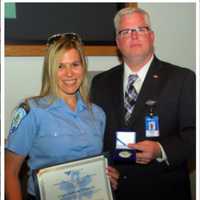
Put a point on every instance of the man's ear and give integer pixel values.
(152, 35)
(117, 41)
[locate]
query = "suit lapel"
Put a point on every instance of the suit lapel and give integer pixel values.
(118, 96)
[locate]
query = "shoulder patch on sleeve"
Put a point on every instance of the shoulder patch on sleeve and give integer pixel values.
(19, 115)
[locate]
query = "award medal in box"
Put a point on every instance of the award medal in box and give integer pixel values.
(122, 152)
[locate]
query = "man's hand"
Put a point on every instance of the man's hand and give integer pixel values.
(148, 151)
(113, 176)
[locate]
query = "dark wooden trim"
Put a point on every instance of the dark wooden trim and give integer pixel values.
(39, 50)
(131, 5)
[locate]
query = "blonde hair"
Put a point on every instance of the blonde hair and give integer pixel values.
(51, 63)
(129, 11)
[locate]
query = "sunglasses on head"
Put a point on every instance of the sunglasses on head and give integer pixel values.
(68, 36)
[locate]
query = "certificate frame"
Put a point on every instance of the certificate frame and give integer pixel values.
(84, 179)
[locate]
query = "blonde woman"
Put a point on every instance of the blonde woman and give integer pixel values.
(60, 124)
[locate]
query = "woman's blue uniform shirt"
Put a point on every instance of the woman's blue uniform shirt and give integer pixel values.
(51, 134)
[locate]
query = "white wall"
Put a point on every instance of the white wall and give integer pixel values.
(173, 23)
(175, 28)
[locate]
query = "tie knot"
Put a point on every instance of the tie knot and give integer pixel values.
(132, 78)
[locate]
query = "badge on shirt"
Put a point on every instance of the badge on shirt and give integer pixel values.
(19, 114)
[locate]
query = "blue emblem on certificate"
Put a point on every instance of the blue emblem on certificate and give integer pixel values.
(19, 114)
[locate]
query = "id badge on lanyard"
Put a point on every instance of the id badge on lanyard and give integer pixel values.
(151, 120)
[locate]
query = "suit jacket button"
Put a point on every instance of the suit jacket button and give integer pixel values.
(124, 177)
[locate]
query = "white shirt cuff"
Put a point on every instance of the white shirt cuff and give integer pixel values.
(163, 155)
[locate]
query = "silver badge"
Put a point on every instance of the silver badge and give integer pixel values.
(125, 154)
(150, 102)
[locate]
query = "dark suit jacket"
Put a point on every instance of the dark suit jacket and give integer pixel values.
(174, 90)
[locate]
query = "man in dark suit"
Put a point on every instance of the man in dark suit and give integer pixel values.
(160, 169)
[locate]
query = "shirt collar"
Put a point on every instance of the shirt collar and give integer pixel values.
(60, 102)
(80, 103)
(141, 73)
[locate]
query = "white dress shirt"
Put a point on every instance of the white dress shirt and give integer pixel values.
(141, 75)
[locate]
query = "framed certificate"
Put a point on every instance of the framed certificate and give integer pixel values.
(84, 179)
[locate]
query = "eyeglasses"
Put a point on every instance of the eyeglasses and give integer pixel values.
(128, 32)
(69, 36)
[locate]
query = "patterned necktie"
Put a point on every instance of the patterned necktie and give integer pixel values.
(130, 97)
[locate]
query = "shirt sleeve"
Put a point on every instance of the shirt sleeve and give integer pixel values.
(20, 141)
(163, 155)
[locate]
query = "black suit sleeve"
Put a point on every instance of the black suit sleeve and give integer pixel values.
(95, 90)
(92, 90)
(180, 147)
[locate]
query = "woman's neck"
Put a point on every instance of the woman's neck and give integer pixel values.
(71, 101)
